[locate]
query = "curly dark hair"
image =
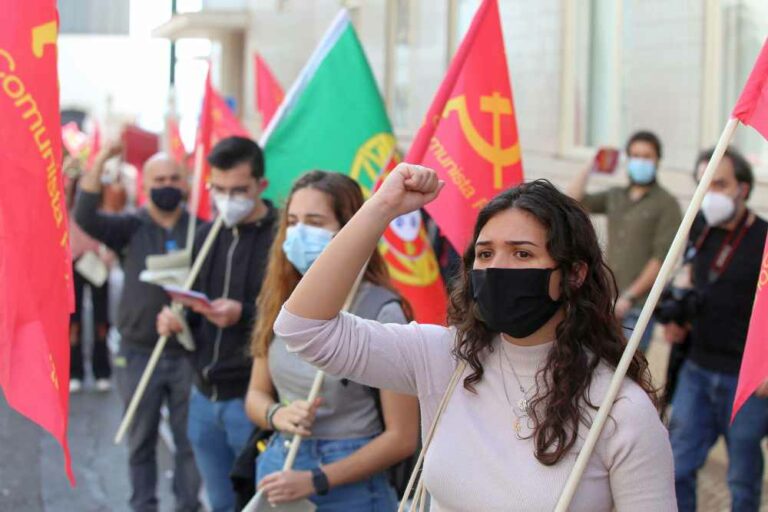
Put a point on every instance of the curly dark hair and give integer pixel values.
(588, 334)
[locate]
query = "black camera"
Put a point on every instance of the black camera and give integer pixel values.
(679, 305)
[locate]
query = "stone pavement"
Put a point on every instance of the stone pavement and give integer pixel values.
(32, 477)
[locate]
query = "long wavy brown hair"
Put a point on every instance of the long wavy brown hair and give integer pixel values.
(281, 276)
(588, 334)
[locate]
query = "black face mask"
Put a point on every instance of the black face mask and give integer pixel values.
(165, 198)
(514, 301)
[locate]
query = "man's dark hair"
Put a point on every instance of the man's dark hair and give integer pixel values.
(234, 151)
(742, 169)
(646, 136)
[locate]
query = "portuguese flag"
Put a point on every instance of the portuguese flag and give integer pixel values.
(333, 119)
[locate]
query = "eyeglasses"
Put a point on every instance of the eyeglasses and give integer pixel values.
(234, 191)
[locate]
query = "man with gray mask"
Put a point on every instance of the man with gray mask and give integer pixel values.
(712, 317)
(231, 275)
(157, 228)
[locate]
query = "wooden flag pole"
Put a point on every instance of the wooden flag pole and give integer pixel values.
(195, 198)
(161, 342)
(675, 251)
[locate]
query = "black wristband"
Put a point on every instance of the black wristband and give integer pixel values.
(271, 414)
(320, 482)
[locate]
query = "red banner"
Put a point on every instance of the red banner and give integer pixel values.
(470, 133)
(752, 109)
(217, 122)
(138, 146)
(269, 94)
(36, 295)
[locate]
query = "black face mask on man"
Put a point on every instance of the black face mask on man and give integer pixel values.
(514, 301)
(165, 198)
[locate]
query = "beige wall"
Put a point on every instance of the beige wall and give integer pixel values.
(661, 56)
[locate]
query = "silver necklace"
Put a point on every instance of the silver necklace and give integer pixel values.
(522, 404)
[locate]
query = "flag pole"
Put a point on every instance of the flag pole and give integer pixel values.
(130, 412)
(194, 203)
(675, 251)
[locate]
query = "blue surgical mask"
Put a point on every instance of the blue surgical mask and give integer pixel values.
(642, 171)
(303, 244)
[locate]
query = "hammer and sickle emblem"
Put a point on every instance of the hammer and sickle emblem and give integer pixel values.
(497, 106)
(43, 35)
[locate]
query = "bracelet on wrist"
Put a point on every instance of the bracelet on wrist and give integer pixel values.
(271, 414)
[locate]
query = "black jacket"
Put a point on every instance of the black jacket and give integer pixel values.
(719, 329)
(134, 236)
(234, 269)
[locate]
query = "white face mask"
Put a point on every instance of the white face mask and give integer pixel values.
(233, 209)
(717, 208)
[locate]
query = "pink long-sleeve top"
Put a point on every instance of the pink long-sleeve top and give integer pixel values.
(476, 461)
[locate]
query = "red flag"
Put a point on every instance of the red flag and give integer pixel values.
(412, 263)
(217, 122)
(175, 144)
(752, 107)
(754, 363)
(269, 94)
(36, 295)
(138, 146)
(470, 134)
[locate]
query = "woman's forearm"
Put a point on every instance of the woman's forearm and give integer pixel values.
(322, 291)
(257, 403)
(384, 451)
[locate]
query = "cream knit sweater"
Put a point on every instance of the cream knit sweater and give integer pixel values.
(476, 462)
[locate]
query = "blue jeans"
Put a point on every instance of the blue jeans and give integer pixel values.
(701, 412)
(218, 432)
(630, 320)
(373, 494)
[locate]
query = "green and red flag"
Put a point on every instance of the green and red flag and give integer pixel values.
(469, 135)
(333, 118)
(36, 295)
(269, 94)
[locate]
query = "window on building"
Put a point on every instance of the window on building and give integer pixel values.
(91, 17)
(743, 27)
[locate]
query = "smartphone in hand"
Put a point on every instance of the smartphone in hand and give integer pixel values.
(606, 160)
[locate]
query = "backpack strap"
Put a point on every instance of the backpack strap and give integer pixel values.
(420, 497)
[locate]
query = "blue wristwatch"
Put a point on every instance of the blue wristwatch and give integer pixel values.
(320, 482)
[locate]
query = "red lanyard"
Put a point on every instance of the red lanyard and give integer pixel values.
(727, 248)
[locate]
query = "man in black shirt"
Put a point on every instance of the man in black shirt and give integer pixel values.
(231, 276)
(724, 255)
(157, 228)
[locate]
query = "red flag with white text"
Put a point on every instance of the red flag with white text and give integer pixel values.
(36, 295)
(469, 135)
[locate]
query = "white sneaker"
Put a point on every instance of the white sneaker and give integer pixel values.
(103, 385)
(75, 385)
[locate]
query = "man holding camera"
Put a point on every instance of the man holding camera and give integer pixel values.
(712, 318)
